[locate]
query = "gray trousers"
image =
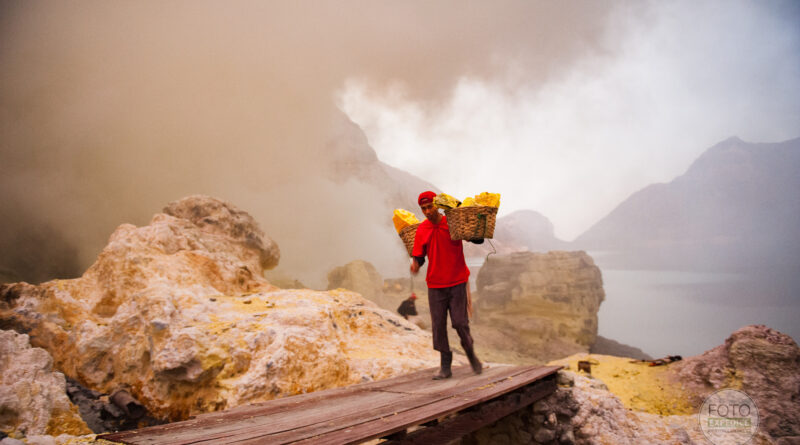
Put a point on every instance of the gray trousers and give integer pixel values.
(453, 299)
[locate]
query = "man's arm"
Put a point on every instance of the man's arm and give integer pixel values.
(416, 263)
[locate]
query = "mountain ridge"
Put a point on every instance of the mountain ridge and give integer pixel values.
(735, 201)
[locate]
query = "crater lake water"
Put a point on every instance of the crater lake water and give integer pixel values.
(669, 312)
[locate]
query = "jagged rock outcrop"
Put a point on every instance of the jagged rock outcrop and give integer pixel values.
(178, 314)
(528, 307)
(226, 226)
(628, 401)
(762, 362)
(547, 302)
(584, 412)
(755, 359)
(33, 398)
(600, 417)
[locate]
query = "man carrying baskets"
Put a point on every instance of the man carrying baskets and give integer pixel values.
(447, 283)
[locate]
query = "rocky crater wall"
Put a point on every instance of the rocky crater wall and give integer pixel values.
(548, 302)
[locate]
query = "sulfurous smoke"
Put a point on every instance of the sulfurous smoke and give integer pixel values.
(108, 111)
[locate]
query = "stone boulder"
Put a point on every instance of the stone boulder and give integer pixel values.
(628, 401)
(760, 361)
(221, 221)
(33, 398)
(178, 314)
(583, 411)
(361, 277)
(547, 302)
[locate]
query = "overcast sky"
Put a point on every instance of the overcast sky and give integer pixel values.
(658, 84)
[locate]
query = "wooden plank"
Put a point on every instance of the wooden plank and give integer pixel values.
(208, 423)
(265, 408)
(242, 412)
(426, 376)
(484, 414)
(344, 415)
(320, 422)
(221, 430)
(319, 396)
(462, 377)
(373, 427)
(367, 414)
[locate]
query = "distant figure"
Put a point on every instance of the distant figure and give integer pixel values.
(447, 283)
(407, 307)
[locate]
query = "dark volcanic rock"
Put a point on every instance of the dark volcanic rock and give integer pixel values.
(102, 415)
(607, 346)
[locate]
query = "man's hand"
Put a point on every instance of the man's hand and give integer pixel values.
(414, 266)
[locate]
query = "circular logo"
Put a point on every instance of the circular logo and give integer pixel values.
(728, 416)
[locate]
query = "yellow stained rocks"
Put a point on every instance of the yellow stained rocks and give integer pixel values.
(639, 386)
(190, 325)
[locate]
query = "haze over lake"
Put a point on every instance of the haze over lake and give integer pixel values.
(667, 312)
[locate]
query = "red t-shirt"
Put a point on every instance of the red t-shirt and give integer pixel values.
(446, 265)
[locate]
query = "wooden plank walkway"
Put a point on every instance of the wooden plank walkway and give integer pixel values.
(388, 408)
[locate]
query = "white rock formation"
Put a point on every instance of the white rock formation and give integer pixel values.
(179, 314)
(33, 397)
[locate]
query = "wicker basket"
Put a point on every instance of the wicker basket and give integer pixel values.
(407, 234)
(471, 222)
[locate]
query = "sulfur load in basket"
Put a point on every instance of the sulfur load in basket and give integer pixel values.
(406, 224)
(474, 222)
(474, 218)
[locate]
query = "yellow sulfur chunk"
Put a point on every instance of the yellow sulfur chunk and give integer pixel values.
(445, 201)
(468, 202)
(403, 218)
(488, 199)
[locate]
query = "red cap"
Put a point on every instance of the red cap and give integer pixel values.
(426, 197)
(413, 296)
